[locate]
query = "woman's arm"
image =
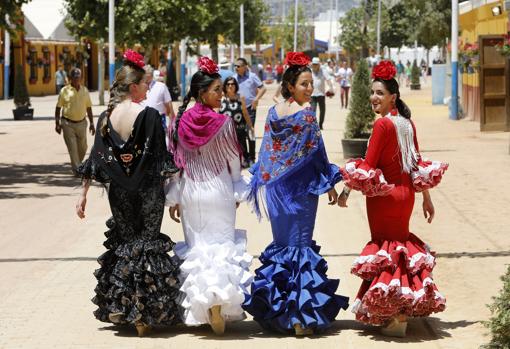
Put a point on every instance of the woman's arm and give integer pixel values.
(82, 200)
(428, 206)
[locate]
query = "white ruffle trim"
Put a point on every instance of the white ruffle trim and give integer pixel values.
(407, 290)
(350, 167)
(216, 274)
(425, 171)
(242, 189)
(370, 258)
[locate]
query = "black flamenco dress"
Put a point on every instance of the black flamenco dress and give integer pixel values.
(137, 280)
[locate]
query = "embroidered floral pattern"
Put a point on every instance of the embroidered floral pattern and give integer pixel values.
(287, 141)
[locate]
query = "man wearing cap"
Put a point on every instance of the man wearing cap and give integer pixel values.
(225, 72)
(320, 79)
(74, 102)
(252, 89)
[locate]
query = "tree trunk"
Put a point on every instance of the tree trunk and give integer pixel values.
(100, 79)
(148, 55)
(428, 51)
(214, 47)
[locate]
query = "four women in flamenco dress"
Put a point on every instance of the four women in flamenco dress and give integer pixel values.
(215, 269)
(137, 281)
(140, 284)
(291, 292)
(396, 266)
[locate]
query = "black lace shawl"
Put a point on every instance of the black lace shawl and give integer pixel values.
(126, 163)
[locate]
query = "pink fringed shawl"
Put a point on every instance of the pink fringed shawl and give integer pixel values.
(207, 141)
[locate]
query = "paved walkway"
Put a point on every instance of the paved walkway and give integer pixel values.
(47, 255)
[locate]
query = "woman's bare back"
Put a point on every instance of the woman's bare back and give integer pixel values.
(123, 117)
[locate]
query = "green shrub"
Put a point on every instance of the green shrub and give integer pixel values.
(415, 76)
(361, 116)
(499, 323)
(21, 98)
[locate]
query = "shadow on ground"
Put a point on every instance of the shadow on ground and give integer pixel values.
(419, 330)
(11, 175)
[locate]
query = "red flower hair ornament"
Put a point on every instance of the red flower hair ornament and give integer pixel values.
(384, 70)
(207, 65)
(135, 58)
(297, 59)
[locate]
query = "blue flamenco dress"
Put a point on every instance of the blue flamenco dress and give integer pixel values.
(291, 286)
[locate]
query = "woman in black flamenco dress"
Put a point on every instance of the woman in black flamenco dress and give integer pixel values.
(137, 281)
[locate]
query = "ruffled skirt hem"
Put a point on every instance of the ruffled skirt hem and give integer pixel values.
(291, 287)
(215, 274)
(137, 281)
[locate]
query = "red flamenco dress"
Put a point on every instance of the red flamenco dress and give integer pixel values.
(396, 266)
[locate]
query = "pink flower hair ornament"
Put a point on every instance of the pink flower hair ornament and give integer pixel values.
(207, 65)
(134, 58)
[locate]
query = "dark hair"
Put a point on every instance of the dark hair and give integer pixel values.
(227, 80)
(242, 59)
(125, 76)
(200, 82)
(290, 77)
(392, 87)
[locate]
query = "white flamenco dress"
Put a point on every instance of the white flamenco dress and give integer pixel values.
(215, 268)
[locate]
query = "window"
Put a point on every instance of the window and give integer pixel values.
(46, 65)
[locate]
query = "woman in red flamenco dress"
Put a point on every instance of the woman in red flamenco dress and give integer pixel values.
(396, 266)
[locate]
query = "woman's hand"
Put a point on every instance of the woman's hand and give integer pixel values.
(342, 198)
(332, 196)
(428, 207)
(174, 213)
(80, 206)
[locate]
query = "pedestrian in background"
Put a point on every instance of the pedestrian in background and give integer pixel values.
(158, 96)
(225, 71)
(60, 78)
(74, 103)
(320, 79)
(234, 106)
(252, 89)
(345, 79)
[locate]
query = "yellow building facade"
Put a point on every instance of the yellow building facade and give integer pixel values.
(477, 19)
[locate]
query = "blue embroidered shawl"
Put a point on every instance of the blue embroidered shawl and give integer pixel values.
(292, 161)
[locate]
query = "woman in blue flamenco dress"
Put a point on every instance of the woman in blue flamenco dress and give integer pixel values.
(290, 291)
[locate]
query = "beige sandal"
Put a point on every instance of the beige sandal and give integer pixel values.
(300, 331)
(142, 329)
(395, 328)
(216, 320)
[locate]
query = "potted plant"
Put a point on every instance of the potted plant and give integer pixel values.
(21, 98)
(361, 116)
(415, 76)
(499, 323)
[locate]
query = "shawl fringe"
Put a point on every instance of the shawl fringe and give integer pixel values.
(405, 136)
(208, 161)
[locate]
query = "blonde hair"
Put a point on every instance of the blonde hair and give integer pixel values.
(125, 76)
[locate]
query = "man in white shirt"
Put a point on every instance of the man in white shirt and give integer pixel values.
(158, 96)
(320, 79)
(344, 78)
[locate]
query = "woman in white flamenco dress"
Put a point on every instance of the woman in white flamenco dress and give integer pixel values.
(215, 268)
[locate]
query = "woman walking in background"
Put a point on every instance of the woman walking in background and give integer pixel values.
(234, 106)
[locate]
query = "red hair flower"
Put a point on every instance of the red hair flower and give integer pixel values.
(384, 70)
(134, 58)
(207, 65)
(297, 59)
